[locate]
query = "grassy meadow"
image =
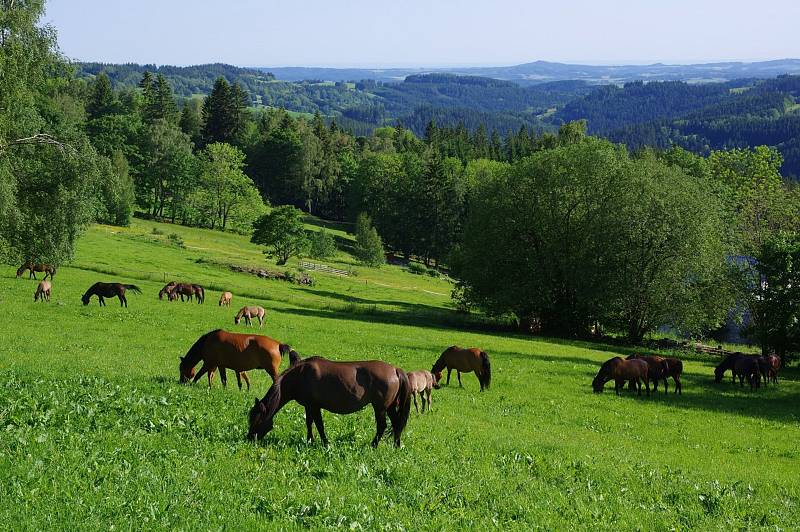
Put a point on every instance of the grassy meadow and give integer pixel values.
(96, 431)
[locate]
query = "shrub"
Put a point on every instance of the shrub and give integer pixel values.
(416, 268)
(176, 240)
(323, 245)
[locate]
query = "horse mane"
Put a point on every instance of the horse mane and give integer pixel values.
(195, 352)
(440, 364)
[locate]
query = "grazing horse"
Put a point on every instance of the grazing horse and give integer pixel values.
(746, 367)
(620, 371)
(188, 290)
(464, 360)
(33, 268)
(657, 368)
(199, 293)
(103, 290)
(248, 313)
(422, 382)
(166, 290)
(42, 291)
(225, 299)
(339, 387)
(239, 352)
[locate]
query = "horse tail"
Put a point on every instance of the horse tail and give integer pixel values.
(403, 402)
(677, 368)
(486, 369)
(133, 288)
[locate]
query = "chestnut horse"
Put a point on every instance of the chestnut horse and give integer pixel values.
(239, 352)
(248, 313)
(620, 371)
(33, 268)
(422, 382)
(769, 366)
(103, 290)
(42, 291)
(338, 387)
(464, 360)
(225, 299)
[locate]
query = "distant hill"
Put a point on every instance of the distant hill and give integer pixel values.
(544, 71)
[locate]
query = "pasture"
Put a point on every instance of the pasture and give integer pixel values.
(95, 429)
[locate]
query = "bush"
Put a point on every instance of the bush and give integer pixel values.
(416, 268)
(176, 240)
(323, 245)
(368, 248)
(157, 231)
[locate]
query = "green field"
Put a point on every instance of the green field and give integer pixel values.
(95, 430)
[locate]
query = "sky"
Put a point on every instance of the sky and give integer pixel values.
(424, 33)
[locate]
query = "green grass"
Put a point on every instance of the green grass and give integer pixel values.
(95, 430)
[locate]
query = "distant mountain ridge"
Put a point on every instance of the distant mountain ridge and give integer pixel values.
(544, 71)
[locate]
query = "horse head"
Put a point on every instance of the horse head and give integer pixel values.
(21, 270)
(85, 298)
(186, 372)
(260, 422)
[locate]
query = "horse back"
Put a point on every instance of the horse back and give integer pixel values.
(462, 359)
(345, 387)
(242, 352)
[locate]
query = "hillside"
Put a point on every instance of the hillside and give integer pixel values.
(98, 431)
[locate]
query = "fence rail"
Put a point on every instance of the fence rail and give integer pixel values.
(322, 268)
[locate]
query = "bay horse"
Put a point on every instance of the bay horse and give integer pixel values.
(664, 367)
(42, 291)
(239, 352)
(464, 360)
(769, 366)
(339, 387)
(421, 382)
(620, 371)
(225, 299)
(33, 268)
(248, 313)
(103, 290)
(188, 290)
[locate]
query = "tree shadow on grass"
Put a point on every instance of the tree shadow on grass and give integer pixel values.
(361, 301)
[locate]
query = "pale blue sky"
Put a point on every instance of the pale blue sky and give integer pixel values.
(424, 32)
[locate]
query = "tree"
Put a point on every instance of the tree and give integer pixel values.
(48, 169)
(282, 232)
(102, 100)
(168, 169)
(117, 191)
(228, 192)
(224, 112)
(368, 248)
(323, 246)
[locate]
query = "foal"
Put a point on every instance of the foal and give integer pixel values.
(248, 313)
(225, 299)
(421, 382)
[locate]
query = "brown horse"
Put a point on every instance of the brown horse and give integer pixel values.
(464, 360)
(42, 291)
(620, 371)
(338, 387)
(33, 268)
(421, 382)
(166, 290)
(248, 313)
(103, 290)
(769, 366)
(239, 352)
(225, 299)
(661, 368)
(186, 289)
(748, 368)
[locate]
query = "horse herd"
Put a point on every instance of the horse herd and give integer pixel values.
(637, 369)
(320, 384)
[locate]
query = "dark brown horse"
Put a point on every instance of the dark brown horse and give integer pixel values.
(464, 360)
(239, 352)
(339, 387)
(745, 363)
(33, 268)
(186, 289)
(769, 366)
(103, 290)
(621, 371)
(748, 368)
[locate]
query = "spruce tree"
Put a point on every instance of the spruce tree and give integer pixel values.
(101, 99)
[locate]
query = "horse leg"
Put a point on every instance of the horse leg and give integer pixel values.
(261, 322)
(102, 301)
(646, 386)
(414, 396)
(32, 273)
(617, 385)
(458, 374)
(380, 425)
(429, 394)
(211, 375)
(223, 376)
(320, 428)
(448, 376)
(239, 380)
(123, 302)
(203, 371)
(246, 379)
(309, 422)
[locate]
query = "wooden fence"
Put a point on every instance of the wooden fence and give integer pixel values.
(322, 268)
